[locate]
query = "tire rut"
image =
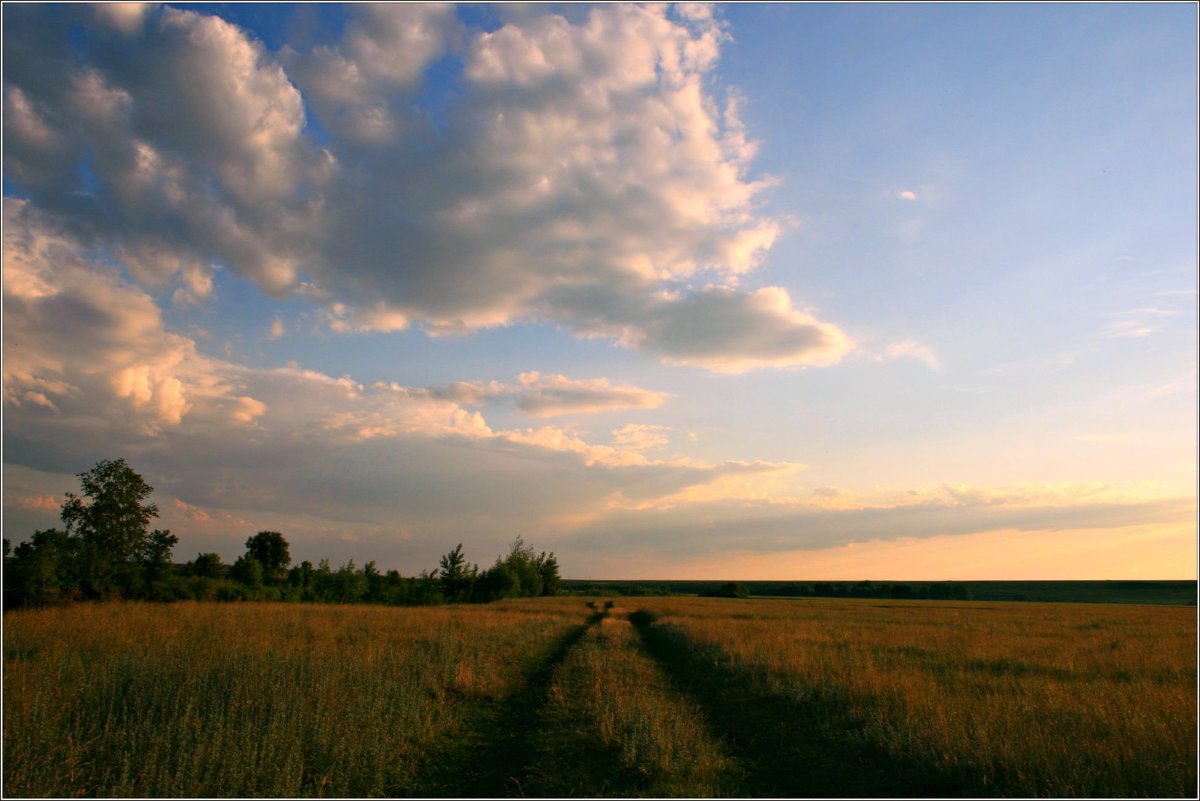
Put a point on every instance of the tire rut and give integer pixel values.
(491, 753)
(776, 741)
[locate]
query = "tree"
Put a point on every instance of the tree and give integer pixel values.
(154, 554)
(111, 520)
(454, 576)
(270, 549)
(349, 585)
(496, 583)
(548, 568)
(44, 567)
(523, 562)
(207, 565)
(247, 570)
(730, 589)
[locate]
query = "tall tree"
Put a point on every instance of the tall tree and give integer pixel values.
(111, 520)
(270, 549)
(455, 576)
(548, 567)
(43, 568)
(154, 554)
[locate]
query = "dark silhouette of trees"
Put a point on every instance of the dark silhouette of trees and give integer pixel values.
(730, 589)
(207, 565)
(270, 549)
(247, 570)
(44, 568)
(455, 576)
(106, 549)
(110, 519)
(522, 573)
(548, 567)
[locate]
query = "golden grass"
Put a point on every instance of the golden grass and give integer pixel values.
(287, 700)
(607, 689)
(1020, 699)
(250, 700)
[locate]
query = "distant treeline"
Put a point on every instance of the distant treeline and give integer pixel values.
(106, 550)
(942, 591)
(945, 590)
(1173, 592)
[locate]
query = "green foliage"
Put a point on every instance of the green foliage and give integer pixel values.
(270, 549)
(730, 589)
(548, 568)
(496, 583)
(206, 565)
(44, 567)
(111, 521)
(455, 575)
(106, 550)
(247, 570)
(154, 555)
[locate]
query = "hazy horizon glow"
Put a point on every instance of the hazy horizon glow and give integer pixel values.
(824, 292)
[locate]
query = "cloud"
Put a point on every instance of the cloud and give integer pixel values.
(548, 396)
(583, 173)
(81, 344)
(719, 328)
(128, 18)
(538, 395)
(831, 517)
(915, 350)
(385, 49)
(639, 437)
(43, 502)
(406, 470)
(231, 442)
(1130, 552)
(908, 194)
(1132, 328)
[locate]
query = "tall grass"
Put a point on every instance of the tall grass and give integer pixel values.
(656, 742)
(1029, 699)
(262, 700)
(285, 700)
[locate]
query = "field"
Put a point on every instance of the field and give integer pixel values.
(604, 697)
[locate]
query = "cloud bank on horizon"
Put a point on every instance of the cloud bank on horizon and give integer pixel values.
(413, 171)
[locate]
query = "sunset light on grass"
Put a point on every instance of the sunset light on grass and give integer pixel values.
(761, 291)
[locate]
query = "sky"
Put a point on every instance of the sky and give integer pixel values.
(761, 291)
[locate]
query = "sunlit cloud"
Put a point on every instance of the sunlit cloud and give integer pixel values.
(1141, 551)
(402, 203)
(914, 350)
(199, 155)
(640, 437)
(1132, 328)
(538, 395)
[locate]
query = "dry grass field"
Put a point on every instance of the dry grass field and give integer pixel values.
(612, 712)
(199, 699)
(1014, 699)
(668, 696)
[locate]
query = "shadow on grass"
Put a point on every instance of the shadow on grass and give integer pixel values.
(490, 754)
(777, 741)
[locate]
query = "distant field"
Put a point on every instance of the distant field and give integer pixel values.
(618, 697)
(1179, 593)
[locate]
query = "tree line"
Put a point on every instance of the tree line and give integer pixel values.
(936, 591)
(106, 549)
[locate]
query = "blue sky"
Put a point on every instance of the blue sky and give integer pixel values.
(758, 291)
